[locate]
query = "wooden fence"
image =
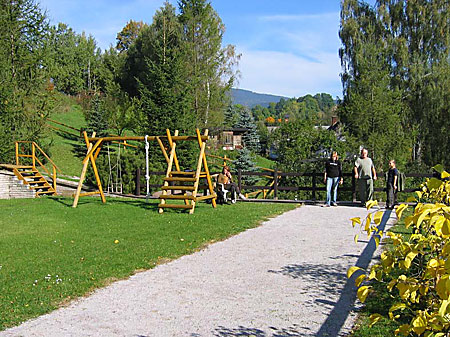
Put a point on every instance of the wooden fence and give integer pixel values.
(315, 183)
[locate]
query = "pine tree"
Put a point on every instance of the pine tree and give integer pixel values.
(23, 98)
(245, 162)
(97, 119)
(250, 138)
(165, 100)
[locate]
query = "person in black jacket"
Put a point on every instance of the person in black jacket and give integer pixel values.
(391, 185)
(332, 177)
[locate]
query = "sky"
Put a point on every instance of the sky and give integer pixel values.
(288, 47)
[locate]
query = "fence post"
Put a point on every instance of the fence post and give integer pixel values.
(137, 191)
(314, 186)
(275, 184)
(240, 179)
(353, 188)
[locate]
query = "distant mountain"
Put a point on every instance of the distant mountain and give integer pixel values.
(250, 99)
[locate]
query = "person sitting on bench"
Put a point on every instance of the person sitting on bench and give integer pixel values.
(226, 179)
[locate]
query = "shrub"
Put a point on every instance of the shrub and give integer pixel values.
(416, 270)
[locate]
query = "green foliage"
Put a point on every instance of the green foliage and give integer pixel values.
(396, 77)
(211, 68)
(97, 118)
(72, 60)
(78, 245)
(250, 138)
(25, 94)
(416, 269)
(246, 162)
(126, 37)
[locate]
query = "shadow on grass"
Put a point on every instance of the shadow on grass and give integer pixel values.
(68, 202)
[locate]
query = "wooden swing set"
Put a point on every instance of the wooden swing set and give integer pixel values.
(175, 180)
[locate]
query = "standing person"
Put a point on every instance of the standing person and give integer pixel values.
(391, 185)
(332, 177)
(365, 174)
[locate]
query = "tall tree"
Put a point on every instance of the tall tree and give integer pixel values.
(129, 34)
(211, 67)
(372, 108)
(164, 97)
(23, 82)
(73, 60)
(411, 41)
(250, 138)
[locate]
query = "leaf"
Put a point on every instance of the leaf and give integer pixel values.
(422, 216)
(355, 221)
(360, 279)
(351, 270)
(411, 199)
(438, 168)
(400, 209)
(377, 241)
(443, 308)
(403, 329)
(378, 217)
(434, 183)
(419, 194)
(368, 221)
(397, 306)
(374, 318)
(419, 325)
(362, 293)
(445, 175)
(356, 238)
(371, 204)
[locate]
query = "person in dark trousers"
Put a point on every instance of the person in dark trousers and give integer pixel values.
(226, 179)
(365, 174)
(391, 185)
(332, 177)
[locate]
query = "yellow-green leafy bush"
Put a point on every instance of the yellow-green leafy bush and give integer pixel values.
(416, 271)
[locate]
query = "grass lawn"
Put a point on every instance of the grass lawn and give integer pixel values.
(51, 253)
(63, 148)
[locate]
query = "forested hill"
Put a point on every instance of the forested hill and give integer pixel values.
(250, 99)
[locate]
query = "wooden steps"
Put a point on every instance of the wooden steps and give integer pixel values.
(30, 176)
(185, 181)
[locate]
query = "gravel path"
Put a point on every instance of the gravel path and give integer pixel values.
(284, 278)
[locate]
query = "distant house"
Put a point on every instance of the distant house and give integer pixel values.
(228, 138)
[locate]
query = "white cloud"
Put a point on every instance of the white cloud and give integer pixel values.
(289, 75)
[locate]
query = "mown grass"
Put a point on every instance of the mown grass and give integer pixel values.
(380, 300)
(51, 253)
(64, 145)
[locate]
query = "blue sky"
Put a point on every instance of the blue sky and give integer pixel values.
(288, 47)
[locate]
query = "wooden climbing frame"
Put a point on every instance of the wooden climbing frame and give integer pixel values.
(187, 182)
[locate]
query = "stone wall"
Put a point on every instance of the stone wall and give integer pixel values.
(11, 187)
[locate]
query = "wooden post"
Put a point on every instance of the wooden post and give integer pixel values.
(353, 188)
(275, 184)
(17, 153)
(205, 165)
(54, 178)
(314, 186)
(83, 171)
(240, 179)
(33, 154)
(169, 165)
(137, 191)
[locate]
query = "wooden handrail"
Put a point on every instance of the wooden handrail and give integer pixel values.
(35, 159)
